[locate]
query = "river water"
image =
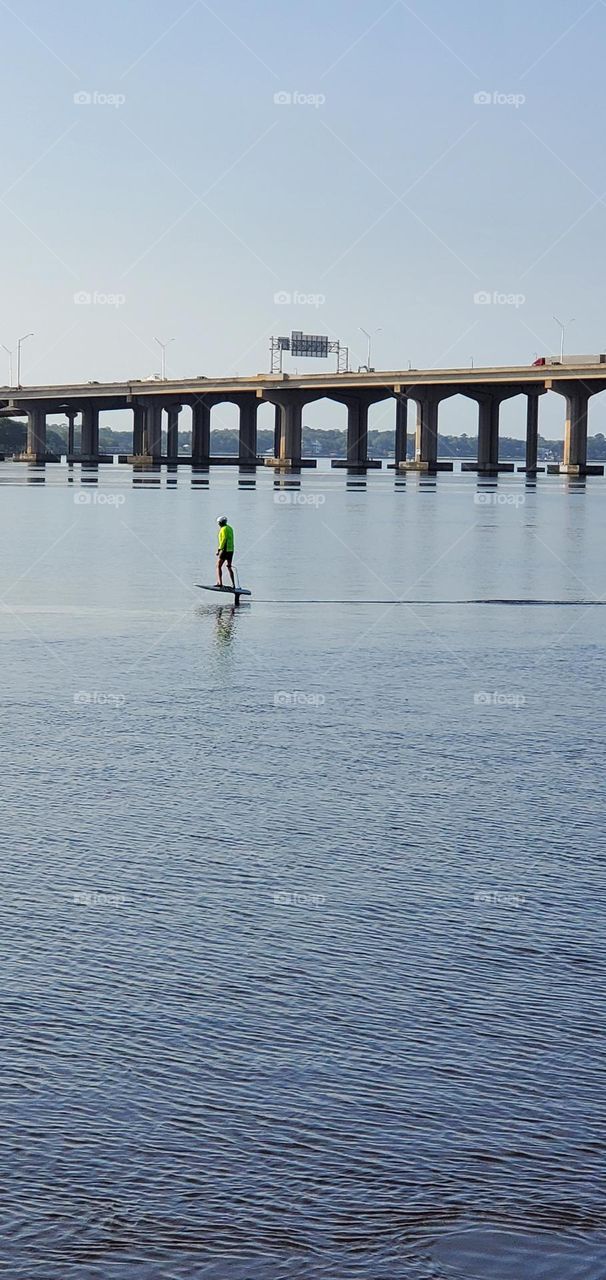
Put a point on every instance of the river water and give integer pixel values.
(302, 928)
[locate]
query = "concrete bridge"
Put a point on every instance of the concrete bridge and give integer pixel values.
(425, 389)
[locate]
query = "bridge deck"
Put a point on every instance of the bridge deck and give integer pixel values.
(123, 393)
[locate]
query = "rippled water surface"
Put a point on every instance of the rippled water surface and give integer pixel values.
(302, 902)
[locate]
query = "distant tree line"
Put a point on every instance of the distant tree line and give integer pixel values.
(13, 438)
(316, 443)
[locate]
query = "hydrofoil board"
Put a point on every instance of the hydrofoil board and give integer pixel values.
(231, 591)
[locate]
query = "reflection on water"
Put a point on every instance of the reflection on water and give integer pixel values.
(225, 626)
(301, 904)
(199, 477)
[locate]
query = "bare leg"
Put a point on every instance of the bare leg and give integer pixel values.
(219, 571)
(231, 574)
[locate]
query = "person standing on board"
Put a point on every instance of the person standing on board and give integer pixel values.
(225, 551)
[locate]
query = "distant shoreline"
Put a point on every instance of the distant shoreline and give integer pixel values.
(317, 443)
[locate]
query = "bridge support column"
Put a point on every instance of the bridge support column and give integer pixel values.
(401, 440)
(172, 432)
(138, 428)
(489, 408)
(357, 428)
(89, 441)
(357, 432)
(71, 417)
(288, 432)
(35, 449)
(426, 436)
(427, 400)
(574, 461)
(200, 434)
(532, 431)
(152, 431)
(291, 433)
(247, 437)
(277, 430)
(488, 433)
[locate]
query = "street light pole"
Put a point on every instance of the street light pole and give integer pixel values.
(369, 337)
(163, 346)
(562, 331)
(10, 364)
(21, 340)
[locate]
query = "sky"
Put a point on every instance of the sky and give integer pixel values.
(215, 173)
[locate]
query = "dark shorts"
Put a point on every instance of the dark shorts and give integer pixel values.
(226, 557)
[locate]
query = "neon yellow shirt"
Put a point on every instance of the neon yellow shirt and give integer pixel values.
(226, 538)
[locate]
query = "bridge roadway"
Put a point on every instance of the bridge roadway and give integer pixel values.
(289, 394)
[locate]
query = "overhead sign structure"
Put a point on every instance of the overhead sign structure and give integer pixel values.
(315, 346)
(308, 344)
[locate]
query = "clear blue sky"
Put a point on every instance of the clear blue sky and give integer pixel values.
(396, 198)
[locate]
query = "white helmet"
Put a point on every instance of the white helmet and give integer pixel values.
(221, 519)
